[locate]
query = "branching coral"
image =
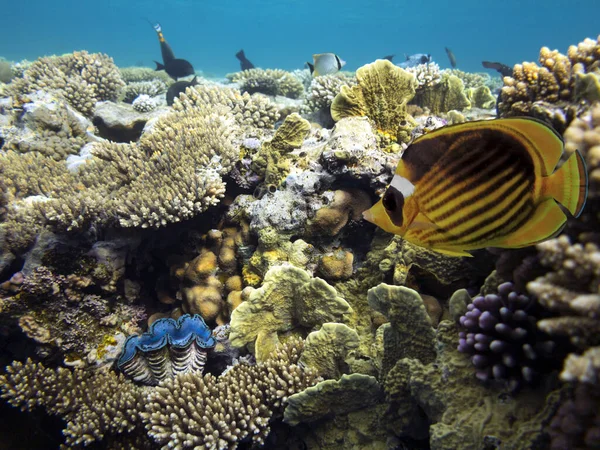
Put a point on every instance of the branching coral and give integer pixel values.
(144, 103)
(427, 75)
(247, 110)
(269, 81)
(382, 94)
(82, 78)
(322, 90)
(139, 74)
(134, 89)
(218, 413)
(551, 90)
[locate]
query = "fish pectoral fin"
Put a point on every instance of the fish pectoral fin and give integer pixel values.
(547, 221)
(422, 222)
(453, 252)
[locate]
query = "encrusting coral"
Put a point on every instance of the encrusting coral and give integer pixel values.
(382, 93)
(268, 81)
(82, 78)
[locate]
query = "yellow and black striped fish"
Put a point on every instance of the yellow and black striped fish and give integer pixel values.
(489, 183)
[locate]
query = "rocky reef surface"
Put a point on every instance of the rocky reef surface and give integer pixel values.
(200, 276)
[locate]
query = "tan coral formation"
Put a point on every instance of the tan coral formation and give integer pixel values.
(382, 93)
(551, 89)
(268, 81)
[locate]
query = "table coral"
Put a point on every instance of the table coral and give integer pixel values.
(382, 93)
(287, 299)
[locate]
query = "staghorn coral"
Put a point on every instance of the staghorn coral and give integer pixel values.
(152, 88)
(503, 340)
(288, 298)
(82, 78)
(242, 402)
(551, 90)
(247, 110)
(94, 405)
(382, 94)
(570, 288)
(269, 82)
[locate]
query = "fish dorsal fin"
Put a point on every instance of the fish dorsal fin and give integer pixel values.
(311, 67)
(542, 140)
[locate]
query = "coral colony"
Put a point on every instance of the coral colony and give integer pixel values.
(185, 261)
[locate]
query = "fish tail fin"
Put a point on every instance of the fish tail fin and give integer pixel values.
(311, 68)
(159, 66)
(569, 184)
(240, 55)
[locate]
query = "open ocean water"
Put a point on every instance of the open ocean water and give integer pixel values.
(285, 33)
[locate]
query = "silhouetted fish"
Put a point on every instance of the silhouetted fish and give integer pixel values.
(389, 57)
(245, 63)
(177, 88)
(176, 68)
(451, 57)
(504, 70)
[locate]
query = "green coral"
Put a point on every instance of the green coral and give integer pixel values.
(448, 94)
(289, 298)
(481, 97)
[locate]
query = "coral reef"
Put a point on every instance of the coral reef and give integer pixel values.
(289, 298)
(427, 75)
(141, 74)
(144, 103)
(550, 91)
(448, 94)
(382, 93)
(322, 90)
(81, 78)
(269, 82)
(168, 348)
(503, 340)
(152, 88)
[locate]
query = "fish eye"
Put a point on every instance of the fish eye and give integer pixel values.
(393, 202)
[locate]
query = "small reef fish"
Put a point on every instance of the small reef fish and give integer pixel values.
(177, 88)
(503, 69)
(415, 60)
(245, 63)
(451, 57)
(389, 57)
(176, 68)
(480, 184)
(325, 64)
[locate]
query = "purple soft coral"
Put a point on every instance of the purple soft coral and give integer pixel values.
(503, 338)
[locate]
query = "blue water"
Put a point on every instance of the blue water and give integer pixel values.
(285, 33)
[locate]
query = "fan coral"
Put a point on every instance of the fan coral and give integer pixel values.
(151, 88)
(218, 413)
(144, 103)
(169, 348)
(82, 78)
(382, 94)
(252, 110)
(503, 339)
(269, 81)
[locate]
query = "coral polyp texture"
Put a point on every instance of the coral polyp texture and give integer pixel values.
(169, 348)
(552, 89)
(502, 338)
(382, 93)
(82, 78)
(269, 82)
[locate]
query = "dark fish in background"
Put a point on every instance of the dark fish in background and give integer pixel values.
(504, 70)
(176, 68)
(389, 57)
(415, 60)
(451, 57)
(177, 88)
(245, 63)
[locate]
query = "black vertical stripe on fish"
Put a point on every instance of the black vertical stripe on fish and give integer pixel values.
(393, 202)
(339, 63)
(502, 220)
(474, 174)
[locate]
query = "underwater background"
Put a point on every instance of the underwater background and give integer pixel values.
(285, 34)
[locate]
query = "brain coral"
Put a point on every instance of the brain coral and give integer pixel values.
(382, 94)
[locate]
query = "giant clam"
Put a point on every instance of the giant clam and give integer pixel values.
(168, 348)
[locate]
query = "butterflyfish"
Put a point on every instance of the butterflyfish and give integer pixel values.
(492, 183)
(325, 64)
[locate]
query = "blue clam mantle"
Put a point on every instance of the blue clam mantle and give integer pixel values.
(169, 347)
